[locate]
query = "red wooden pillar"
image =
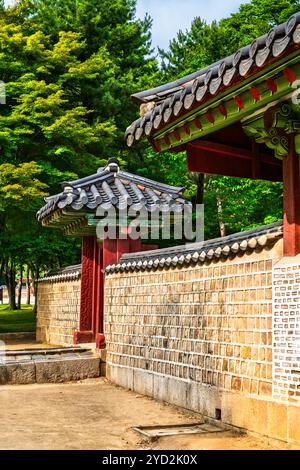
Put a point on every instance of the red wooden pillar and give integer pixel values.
(85, 333)
(291, 201)
(109, 255)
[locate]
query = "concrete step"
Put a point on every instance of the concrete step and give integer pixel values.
(49, 366)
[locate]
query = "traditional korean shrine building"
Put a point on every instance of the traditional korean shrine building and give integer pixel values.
(212, 327)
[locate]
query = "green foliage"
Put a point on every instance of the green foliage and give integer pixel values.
(15, 321)
(69, 69)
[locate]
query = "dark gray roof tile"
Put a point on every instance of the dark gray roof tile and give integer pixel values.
(112, 187)
(172, 99)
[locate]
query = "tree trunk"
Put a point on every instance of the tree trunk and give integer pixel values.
(20, 289)
(200, 189)
(34, 277)
(28, 287)
(10, 277)
(220, 217)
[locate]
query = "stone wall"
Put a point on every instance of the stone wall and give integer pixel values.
(210, 323)
(286, 327)
(58, 308)
(201, 337)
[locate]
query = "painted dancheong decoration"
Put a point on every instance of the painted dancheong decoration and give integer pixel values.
(238, 117)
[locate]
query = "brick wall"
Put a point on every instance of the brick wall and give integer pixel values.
(286, 325)
(58, 311)
(202, 338)
(210, 323)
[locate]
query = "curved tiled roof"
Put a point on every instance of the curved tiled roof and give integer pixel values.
(172, 100)
(65, 274)
(230, 246)
(112, 187)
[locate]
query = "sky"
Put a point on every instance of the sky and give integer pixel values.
(169, 16)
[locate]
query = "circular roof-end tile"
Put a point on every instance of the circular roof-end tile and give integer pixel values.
(253, 48)
(201, 92)
(156, 263)
(181, 260)
(292, 23)
(215, 85)
(145, 264)
(222, 67)
(139, 265)
(168, 261)
(235, 247)
(218, 252)
(128, 266)
(167, 115)
(252, 243)
(228, 76)
(108, 268)
(133, 266)
(178, 107)
(262, 241)
(150, 263)
(118, 267)
(188, 258)
(207, 77)
(130, 140)
(237, 58)
(262, 56)
(202, 256)
(271, 37)
(296, 35)
(157, 121)
(148, 127)
(199, 81)
(244, 245)
(195, 256)
(175, 260)
(245, 66)
(226, 250)
(123, 266)
(189, 100)
(139, 133)
(280, 45)
(210, 254)
(162, 262)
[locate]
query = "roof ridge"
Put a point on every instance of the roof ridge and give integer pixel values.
(150, 182)
(240, 243)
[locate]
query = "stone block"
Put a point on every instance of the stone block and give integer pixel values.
(177, 392)
(293, 423)
(55, 371)
(277, 421)
(160, 387)
(122, 376)
(17, 373)
(143, 382)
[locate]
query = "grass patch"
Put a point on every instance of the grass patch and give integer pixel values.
(17, 321)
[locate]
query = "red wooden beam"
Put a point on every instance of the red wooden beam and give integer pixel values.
(218, 159)
(291, 201)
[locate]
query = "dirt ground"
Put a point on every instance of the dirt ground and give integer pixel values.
(95, 414)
